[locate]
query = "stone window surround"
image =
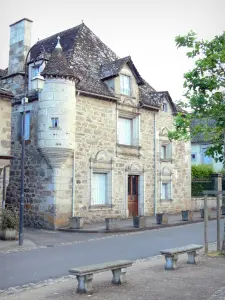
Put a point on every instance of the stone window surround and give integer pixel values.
(102, 165)
(166, 177)
(164, 141)
(129, 115)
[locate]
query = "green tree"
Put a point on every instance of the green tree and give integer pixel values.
(204, 94)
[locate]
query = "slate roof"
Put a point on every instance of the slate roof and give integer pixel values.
(199, 137)
(92, 62)
(4, 92)
(58, 65)
(3, 73)
(113, 68)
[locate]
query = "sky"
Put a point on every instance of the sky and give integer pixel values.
(143, 29)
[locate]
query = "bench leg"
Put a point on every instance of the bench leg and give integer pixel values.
(191, 257)
(85, 284)
(171, 262)
(119, 276)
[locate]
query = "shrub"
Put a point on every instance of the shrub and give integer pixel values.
(9, 219)
(201, 171)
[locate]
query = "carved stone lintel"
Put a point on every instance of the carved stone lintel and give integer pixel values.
(85, 284)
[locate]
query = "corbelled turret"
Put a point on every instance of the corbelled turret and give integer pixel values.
(57, 107)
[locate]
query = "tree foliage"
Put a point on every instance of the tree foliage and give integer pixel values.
(204, 93)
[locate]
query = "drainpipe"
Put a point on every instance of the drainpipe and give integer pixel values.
(73, 185)
(155, 179)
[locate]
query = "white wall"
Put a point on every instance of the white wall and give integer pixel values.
(197, 150)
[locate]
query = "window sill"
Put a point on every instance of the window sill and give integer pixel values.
(100, 207)
(55, 128)
(129, 146)
(166, 159)
(166, 200)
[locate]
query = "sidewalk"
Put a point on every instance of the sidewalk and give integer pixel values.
(146, 280)
(126, 225)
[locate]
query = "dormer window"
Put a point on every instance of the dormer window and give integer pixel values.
(125, 85)
(55, 122)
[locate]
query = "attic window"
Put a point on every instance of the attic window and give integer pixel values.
(165, 107)
(125, 85)
(55, 122)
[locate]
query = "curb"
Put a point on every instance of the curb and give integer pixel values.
(132, 229)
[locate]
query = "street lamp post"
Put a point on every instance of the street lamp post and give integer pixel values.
(37, 83)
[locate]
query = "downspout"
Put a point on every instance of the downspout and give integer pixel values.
(155, 179)
(73, 185)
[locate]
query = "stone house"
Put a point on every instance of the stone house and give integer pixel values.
(96, 135)
(199, 145)
(5, 141)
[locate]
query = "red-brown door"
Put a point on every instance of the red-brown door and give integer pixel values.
(133, 195)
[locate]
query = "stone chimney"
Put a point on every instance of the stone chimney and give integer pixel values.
(20, 43)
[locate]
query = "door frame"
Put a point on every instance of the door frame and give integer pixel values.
(141, 185)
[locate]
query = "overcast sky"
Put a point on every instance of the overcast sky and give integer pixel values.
(144, 29)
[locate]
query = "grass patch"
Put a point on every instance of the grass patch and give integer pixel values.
(213, 254)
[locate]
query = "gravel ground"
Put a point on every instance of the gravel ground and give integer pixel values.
(147, 280)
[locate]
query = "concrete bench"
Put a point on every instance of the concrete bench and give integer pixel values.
(171, 255)
(85, 274)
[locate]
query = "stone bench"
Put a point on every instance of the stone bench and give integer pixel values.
(171, 255)
(85, 274)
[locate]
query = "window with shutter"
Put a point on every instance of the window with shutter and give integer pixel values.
(166, 191)
(166, 151)
(128, 131)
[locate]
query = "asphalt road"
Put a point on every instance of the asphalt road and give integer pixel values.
(20, 268)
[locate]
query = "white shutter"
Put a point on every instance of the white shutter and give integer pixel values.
(124, 131)
(169, 151)
(99, 189)
(135, 140)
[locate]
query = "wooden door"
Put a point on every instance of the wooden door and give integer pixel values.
(133, 195)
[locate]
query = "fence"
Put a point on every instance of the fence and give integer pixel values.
(199, 185)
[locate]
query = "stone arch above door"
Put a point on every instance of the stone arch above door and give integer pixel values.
(101, 156)
(135, 167)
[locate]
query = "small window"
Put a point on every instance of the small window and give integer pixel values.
(99, 189)
(166, 191)
(128, 131)
(55, 122)
(166, 151)
(165, 107)
(125, 85)
(193, 157)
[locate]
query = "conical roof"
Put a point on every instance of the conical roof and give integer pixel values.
(57, 64)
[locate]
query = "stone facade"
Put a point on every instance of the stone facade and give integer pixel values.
(5, 140)
(61, 161)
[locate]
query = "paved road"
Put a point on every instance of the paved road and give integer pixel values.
(40, 264)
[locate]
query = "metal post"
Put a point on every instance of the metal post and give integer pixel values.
(22, 177)
(206, 224)
(218, 221)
